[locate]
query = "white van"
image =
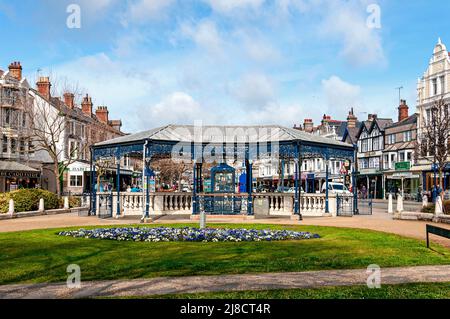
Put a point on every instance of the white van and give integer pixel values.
(337, 188)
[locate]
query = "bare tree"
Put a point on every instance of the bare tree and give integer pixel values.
(434, 142)
(48, 124)
(170, 172)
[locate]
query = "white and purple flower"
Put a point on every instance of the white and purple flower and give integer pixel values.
(166, 234)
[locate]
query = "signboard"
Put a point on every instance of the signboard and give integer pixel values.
(403, 166)
(404, 175)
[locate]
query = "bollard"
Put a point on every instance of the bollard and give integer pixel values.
(425, 201)
(41, 205)
(438, 208)
(390, 205)
(400, 203)
(202, 220)
(66, 202)
(11, 206)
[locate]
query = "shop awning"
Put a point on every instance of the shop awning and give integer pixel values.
(15, 169)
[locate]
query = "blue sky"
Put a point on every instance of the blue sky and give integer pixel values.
(154, 62)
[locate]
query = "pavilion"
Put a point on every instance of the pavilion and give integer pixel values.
(197, 144)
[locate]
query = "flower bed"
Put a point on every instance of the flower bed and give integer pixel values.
(188, 234)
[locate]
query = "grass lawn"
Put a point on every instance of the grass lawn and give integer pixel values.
(404, 291)
(42, 256)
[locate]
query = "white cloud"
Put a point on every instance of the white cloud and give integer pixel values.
(142, 11)
(227, 6)
(205, 35)
(176, 108)
(254, 90)
(283, 114)
(348, 23)
(340, 95)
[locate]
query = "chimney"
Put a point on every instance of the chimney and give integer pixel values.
(86, 105)
(16, 70)
(69, 99)
(351, 119)
(102, 114)
(402, 111)
(372, 117)
(43, 86)
(308, 125)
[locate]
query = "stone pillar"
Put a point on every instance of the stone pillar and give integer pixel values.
(42, 206)
(332, 205)
(390, 205)
(159, 204)
(438, 209)
(400, 203)
(11, 206)
(66, 202)
(424, 201)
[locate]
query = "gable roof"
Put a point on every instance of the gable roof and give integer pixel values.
(408, 121)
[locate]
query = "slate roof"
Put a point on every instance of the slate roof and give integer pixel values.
(224, 134)
(15, 167)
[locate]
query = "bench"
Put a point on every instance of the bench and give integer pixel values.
(442, 232)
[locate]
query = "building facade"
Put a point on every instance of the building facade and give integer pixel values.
(20, 166)
(433, 86)
(80, 128)
(370, 141)
(401, 174)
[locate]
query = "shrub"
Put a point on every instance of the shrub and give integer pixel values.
(74, 202)
(26, 200)
(430, 208)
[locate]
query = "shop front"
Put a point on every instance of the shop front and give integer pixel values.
(403, 180)
(370, 183)
(15, 176)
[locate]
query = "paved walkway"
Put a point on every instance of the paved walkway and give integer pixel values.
(198, 284)
(379, 221)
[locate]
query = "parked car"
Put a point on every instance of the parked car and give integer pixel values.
(336, 188)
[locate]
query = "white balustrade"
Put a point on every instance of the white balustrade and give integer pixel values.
(161, 203)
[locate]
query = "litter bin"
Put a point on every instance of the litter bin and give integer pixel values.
(261, 206)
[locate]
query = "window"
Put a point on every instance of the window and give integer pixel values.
(434, 86)
(76, 181)
(391, 139)
(73, 149)
(386, 161)
(374, 162)
(24, 119)
(409, 156)
(401, 156)
(22, 147)
(442, 80)
(363, 163)
(30, 147)
(376, 144)
(407, 136)
(364, 146)
(5, 144)
(13, 146)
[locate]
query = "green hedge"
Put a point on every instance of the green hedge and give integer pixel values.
(26, 200)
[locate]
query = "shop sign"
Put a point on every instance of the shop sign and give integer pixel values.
(403, 166)
(20, 174)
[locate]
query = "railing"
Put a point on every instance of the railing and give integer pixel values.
(133, 204)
